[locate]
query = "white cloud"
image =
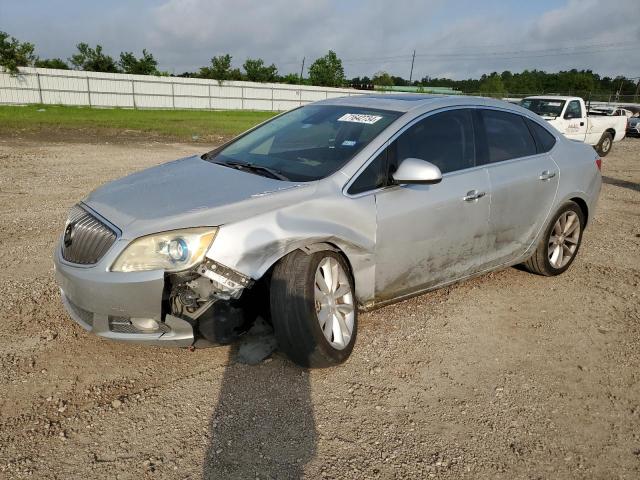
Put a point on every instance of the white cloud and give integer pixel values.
(189, 32)
(184, 34)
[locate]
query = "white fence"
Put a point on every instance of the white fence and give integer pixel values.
(93, 89)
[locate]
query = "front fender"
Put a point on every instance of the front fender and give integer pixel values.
(254, 245)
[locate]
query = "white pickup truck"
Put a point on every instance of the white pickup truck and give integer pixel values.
(569, 116)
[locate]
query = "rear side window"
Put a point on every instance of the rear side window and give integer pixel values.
(544, 140)
(507, 136)
(445, 139)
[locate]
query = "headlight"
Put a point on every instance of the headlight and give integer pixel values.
(171, 251)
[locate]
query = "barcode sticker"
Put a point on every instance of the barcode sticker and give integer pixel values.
(359, 118)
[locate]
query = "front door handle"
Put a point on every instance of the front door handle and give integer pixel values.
(547, 175)
(473, 195)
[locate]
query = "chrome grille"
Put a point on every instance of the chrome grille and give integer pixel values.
(86, 239)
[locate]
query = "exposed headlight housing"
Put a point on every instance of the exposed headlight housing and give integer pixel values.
(171, 251)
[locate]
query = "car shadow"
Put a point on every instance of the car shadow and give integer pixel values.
(263, 425)
(621, 183)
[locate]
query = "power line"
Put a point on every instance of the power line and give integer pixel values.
(509, 54)
(537, 53)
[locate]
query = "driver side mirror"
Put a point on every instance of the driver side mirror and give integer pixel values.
(570, 115)
(417, 171)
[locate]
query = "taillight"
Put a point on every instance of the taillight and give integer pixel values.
(599, 163)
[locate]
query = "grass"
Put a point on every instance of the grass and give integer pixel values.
(182, 125)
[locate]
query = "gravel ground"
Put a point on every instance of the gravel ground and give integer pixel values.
(507, 376)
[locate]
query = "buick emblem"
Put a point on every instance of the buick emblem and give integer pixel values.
(68, 234)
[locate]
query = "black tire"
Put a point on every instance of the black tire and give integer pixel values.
(539, 262)
(293, 312)
(605, 144)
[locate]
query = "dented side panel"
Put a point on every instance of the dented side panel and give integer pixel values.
(253, 245)
(429, 234)
(521, 202)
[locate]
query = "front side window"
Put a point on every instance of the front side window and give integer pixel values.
(445, 139)
(507, 136)
(373, 177)
(545, 107)
(306, 144)
(573, 110)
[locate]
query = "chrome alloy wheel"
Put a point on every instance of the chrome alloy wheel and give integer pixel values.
(564, 238)
(334, 303)
(606, 144)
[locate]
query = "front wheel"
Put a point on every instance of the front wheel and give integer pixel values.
(560, 243)
(604, 145)
(313, 308)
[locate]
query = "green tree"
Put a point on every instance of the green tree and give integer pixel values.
(220, 68)
(145, 65)
(257, 71)
(14, 53)
(383, 79)
(290, 78)
(492, 86)
(51, 63)
(93, 60)
(327, 71)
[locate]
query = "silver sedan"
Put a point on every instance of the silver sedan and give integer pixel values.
(335, 207)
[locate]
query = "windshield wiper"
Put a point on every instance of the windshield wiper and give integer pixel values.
(251, 167)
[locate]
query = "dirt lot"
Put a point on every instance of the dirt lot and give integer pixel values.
(508, 376)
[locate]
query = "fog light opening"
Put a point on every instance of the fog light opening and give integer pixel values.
(145, 324)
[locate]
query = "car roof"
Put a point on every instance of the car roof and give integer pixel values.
(554, 97)
(395, 102)
(417, 104)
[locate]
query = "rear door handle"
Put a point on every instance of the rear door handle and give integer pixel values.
(547, 175)
(473, 195)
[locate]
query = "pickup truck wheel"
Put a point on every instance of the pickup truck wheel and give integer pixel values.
(313, 308)
(560, 243)
(605, 144)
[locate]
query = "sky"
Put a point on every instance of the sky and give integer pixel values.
(456, 39)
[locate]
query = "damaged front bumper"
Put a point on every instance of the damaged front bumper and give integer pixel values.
(145, 307)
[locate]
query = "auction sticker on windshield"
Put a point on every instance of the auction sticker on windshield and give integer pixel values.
(359, 118)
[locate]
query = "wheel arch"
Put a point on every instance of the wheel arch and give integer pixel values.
(357, 259)
(584, 207)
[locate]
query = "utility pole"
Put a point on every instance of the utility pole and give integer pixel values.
(619, 89)
(413, 59)
(302, 69)
(635, 97)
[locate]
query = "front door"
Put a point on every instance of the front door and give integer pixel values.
(432, 234)
(574, 122)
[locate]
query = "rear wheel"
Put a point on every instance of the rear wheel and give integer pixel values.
(313, 308)
(560, 243)
(604, 145)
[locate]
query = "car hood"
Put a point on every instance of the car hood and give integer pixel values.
(187, 193)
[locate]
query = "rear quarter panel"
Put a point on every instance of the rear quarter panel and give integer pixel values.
(579, 175)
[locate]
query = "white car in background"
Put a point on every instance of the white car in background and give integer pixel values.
(569, 116)
(610, 111)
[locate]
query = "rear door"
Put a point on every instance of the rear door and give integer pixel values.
(523, 180)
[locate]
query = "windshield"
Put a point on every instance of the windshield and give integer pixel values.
(306, 144)
(545, 107)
